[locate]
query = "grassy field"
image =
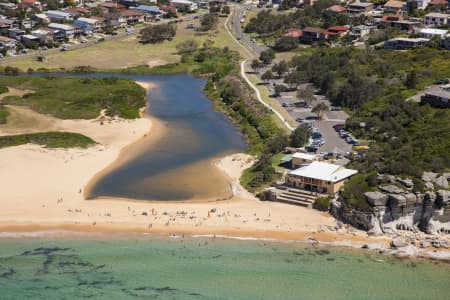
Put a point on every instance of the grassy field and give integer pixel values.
(48, 139)
(78, 98)
(127, 52)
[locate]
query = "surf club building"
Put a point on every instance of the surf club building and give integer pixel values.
(319, 177)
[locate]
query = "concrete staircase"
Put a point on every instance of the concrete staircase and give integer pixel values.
(297, 197)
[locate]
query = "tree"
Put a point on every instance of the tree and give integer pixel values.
(319, 108)
(187, 46)
(294, 79)
(208, 22)
(226, 10)
(268, 75)
(256, 65)
(280, 68)
(286, 43)
(157, 33)
(267, 56)
(411, 80)
(307, 94)
(299, 137)
(279, 88)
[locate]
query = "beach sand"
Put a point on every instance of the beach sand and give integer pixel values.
(43, 190)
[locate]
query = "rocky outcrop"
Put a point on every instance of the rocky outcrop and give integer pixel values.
(441, 182)
(396, 207)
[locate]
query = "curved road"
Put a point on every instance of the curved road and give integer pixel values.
(244, 75)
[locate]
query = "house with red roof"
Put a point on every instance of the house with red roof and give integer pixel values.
(294, 33)
(393, 6)
(312, 34)
(335, 10)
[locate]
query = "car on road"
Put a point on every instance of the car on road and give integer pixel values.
(338, 127)
(101, 39)
(307, 106)
(300, 120)
(190, 26)
(335, 108)
(285, 104)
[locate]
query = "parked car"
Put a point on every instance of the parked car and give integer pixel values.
(307, 106)
(285, 104)
(335, 108)
(101, 39)
(300, 120)
(338, 127)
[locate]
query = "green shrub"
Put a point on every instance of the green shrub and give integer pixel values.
(322, 203)
(48, 139)
(3, 89)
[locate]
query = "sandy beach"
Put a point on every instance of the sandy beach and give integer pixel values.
(43, 190)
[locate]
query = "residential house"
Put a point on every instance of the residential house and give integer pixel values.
(117, 20)
(89, 25)
(422, 4)
(294, 33)
(112, 7)
(312, 34)
(320, 177)
(360, 31)
(302, 159)
(444, 42)
(15, 33)
(8, 6)
(432, 32)
(184, 4)
(437, 96)
(28, 40)
(359, 7)
(7, 23)
(337, 31)
(47, 36)
(42, 18)
(436, 4)
(151, 12)
(8, 44)
(68, 30)
(30, 5)
(405, 43)
(56, 15)
(168, 8)
(77, 12)
(393, 6)
(335, 10)
(133, 16)
(398, 22)
(436, 19)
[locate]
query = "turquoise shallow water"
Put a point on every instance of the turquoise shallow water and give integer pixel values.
(209, 269)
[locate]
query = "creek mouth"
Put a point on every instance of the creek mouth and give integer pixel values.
(175, 161)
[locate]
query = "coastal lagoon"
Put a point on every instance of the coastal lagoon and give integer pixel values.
(199, 268)
(176, 160)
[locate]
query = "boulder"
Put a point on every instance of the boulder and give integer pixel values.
(406, 182)
(446, 175)
(442, 198)
(399, 241)
(429, 186)
(376, 198)
(411, 199)
(428, 176)
(429, 198)
(397, 200)
(391, 189)
(441, 182)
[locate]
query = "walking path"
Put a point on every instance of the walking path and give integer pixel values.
(243, 74)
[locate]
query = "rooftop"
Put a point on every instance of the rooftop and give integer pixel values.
(313, 29)
(324, 171)
(437, 15)
(60, 26)
(438, 91)
(304, 156)
(394, 3)
(434, 31)
(87, 20)
(361, 4)
(336, 8)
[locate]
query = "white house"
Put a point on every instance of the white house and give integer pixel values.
(436, 19)
(432, 32)
(69, 31)
(8, 44)
(422, 4)
(191, 6)
(56, 15)
(300, 159)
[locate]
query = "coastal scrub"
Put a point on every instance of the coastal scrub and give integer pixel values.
(48, 139)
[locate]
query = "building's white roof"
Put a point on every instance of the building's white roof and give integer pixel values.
(58, 13)
(433, 31)
(304, 156)
(437, 15)
(87, 20)
(181, 1)
(30, 37)
(324, 171)
(60, 26)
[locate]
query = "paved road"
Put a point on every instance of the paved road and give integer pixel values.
(93, 42)
(238, 14)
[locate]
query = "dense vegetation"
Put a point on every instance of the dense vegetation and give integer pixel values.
(374, 85)
(48, 139)
(157, 33)
(78, 98)
(3, 89)
(3, 114)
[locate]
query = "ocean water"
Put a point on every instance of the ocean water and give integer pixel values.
(197, 268)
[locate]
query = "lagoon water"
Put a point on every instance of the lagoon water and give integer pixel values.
(176, 161)
(197, 268)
